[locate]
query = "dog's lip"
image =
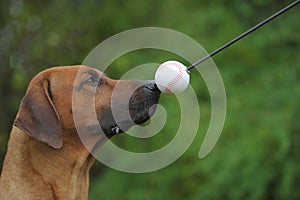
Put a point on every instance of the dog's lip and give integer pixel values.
(124, 125)
(144, 114)
(139, 118)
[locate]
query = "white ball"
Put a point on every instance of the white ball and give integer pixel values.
(172, 77)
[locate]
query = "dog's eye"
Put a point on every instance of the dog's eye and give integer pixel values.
(93, 81)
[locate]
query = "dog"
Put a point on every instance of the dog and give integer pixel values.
(46, 158)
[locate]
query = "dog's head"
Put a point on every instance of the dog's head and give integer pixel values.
(63, 100)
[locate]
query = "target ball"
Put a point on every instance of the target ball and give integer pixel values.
(172, 77)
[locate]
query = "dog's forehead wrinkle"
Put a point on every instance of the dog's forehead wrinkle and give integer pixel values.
(93, 73)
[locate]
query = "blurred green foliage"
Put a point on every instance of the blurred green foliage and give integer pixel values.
(257, 156)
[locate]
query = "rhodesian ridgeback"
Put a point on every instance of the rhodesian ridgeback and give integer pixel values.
(46, 158)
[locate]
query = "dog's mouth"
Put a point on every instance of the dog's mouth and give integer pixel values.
(138, 119)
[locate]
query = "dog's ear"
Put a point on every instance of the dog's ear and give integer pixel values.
(37, 115)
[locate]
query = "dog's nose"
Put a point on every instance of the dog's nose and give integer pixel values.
(152, 87)
(144, 98)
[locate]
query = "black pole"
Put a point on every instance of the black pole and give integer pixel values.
(244, 34)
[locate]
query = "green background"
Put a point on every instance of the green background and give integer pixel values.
(257, 156)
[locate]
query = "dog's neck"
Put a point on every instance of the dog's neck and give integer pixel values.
(57, 176)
